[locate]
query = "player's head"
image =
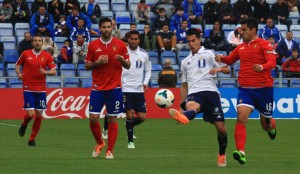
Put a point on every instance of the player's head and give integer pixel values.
(133, 39)
(193, 39)
(249, 29)
(105, 26)
(37, 42)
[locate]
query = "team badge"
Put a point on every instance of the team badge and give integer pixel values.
(28, 104)
(42, 59)
(216, 109)
(254, 45)
(114, 48)
(241, 100)
(91, 107)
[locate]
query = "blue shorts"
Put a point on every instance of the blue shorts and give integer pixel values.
(257, 98)
(112, 99)
(35, 100)
(136, 101)
(210, 105)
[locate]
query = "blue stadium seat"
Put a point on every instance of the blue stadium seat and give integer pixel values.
(227, 84)
(9, 42)
(173, 60)
(60, 41)
(274, 73)
(176, 67)
(294, 16)
(124, 28)
(86, 82)
(140, 27)
(2, 70)
(156, 67)
(197, 26)
(118, 5)
(123, 17)
(209, 26)
(95, 27)
(295, 83)
(103, 4)
(14, 83)
(53, 82)
(283, 29)
(284, 83)
(296, 31)
(10, 70)
(108, 14)
(151, 2)
(154, 83)
(182, 55)
(168, 54)
(10, 56)
(84, 73)
(3, 83)
(206, 33)
(222, 75)
(68, 70)
(21, 28)
(154, 57)
(133, 4)
(71, 83)
(6, 29)
(271, 2)
(228, 28)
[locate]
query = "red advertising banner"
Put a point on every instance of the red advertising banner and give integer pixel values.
(71, 103)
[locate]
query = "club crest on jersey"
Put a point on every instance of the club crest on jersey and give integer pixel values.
(27, 104)
(216, 109)
(254, 46)
(114, 48)
(91, 107)
(241, 100)
(42, 59)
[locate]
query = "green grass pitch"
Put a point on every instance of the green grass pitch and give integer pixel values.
(162, 146)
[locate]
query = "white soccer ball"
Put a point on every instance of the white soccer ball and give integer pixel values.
(164, 98)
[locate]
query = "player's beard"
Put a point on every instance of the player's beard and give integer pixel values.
(133, 47)
(106, 35)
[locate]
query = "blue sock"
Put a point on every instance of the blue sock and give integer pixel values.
(137, 121)
(191, 114)
(129, 128)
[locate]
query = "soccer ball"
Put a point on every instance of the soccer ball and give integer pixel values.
(164, 98)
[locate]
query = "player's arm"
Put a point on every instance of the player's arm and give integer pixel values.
(270, 56)
(147, 72)
(230, 59)
(51, 72)
(103, 59)
(125, 63)
(224, 70)
(18, 71)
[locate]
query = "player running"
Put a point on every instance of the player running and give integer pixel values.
(34, 63)
(106, 56)
(257, 58)
(199, 92)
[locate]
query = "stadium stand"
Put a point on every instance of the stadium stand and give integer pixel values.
(2, 70)
(53, 82)
(3, 83)
(103, 4)
(10, 56)
(9, 42)
(71, 83)
(68, 70)
(10, 70)
(118, 5)
(6, 29)
(86, 82)
(14, 83)
(21, 28)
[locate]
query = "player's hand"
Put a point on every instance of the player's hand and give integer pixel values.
(257, 68)
(20, 76)
(219, 57)
(120, 58)
(102, 60)
(42, 71)
(145, 87)
(214, 71)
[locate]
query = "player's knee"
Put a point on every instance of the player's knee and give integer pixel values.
(192, 106)
(93, 118)
(30, 113)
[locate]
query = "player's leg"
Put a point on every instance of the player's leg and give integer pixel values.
(96, 104)
(114, 105)
(105, 127)
(129, 127)
(30, 112)
(222, 140)
(269, 125)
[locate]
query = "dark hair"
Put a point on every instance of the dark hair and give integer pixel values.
(142, 1)
(6, 2)
(103, 20)
(180, 8)
(184, 20)
(251, 23)
(295, 49)
(133, 32)
(161, 9)
(66, 41)
(38, 35)
(133, 24)
(42, 6)
(75, 8)
(193, 31)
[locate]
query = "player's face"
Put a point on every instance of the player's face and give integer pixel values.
(106, 30)
(133, 41)
(37, 43)
(247, 33)
(194, 43)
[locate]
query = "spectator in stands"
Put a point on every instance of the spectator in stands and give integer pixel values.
(291, 66)
(261, 10)
(80, 47)
(216, 38)
(270, 30)
(56, 8)
(166, 39)
(142, 13)
(21, 12)
(160, 20)
(1, 52)
(242, 10)
(50, 46)
(42, 22)
(292, 5)
(234, 38)
(280, 13)
(66, 53)
(36, 4)
(177, 18)
(194, 10)
(148, 39)
(6, 12)
(25, 44)
(167, 5)
(285, 47)
(211, 12)
(272, 42)
(127, 35)
(70, 4)
(82, 30)
(61, 28)
(115, 32)
(92, 10)
(181, 37)
(226, 12)
(167, 77)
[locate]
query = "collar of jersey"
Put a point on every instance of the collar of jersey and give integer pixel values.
(36, 53)
(133, 51)
(108, 42)
(199, 51)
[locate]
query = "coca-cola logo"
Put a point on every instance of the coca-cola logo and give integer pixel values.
(71, 106)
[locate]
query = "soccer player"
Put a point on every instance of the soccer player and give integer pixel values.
(257, 58)
(106, 56)
(34, 63)
(134, 84)
(199, 93)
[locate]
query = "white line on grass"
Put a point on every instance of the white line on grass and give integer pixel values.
(12, 125)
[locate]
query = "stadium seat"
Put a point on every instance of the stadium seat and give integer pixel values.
(176, 67)
(227, 83)
(68, 70)
(151, 2)
(108, 14)
(271, 2)
(296, 30)
(222, 52)
(140, 28)
(209, 26)
(228, 28)
(2, 70)
(168, 54)
(206, 33)
(10, 56)
(153, 55)
(294, 16)
(124, 28)
(86, 82)
(156, 67)
(84, 73)
(182, 55)
(123, 17)
(133, 4)
(10, 70)
(60, 41)
(173, 60)
(9, 42)
(284, 83)
(95, 27)
(118, 5)
(15, 83)
(53, 82)
(295, 83)
(283, 29)
(274, 73)
(103, 4)
(197, 26)
(21, 28)
(3, 83)
(154, 83)
(71, 83)
(6, 29)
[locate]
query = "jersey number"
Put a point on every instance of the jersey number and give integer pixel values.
(42, 103)
(117, 106)
(269, 107)
(138, 64)
(201, 63)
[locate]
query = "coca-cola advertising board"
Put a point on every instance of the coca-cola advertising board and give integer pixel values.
(71, 103)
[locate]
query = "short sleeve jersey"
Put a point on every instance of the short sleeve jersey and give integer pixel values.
(195, 71)
(107, 76)
(31, 64)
